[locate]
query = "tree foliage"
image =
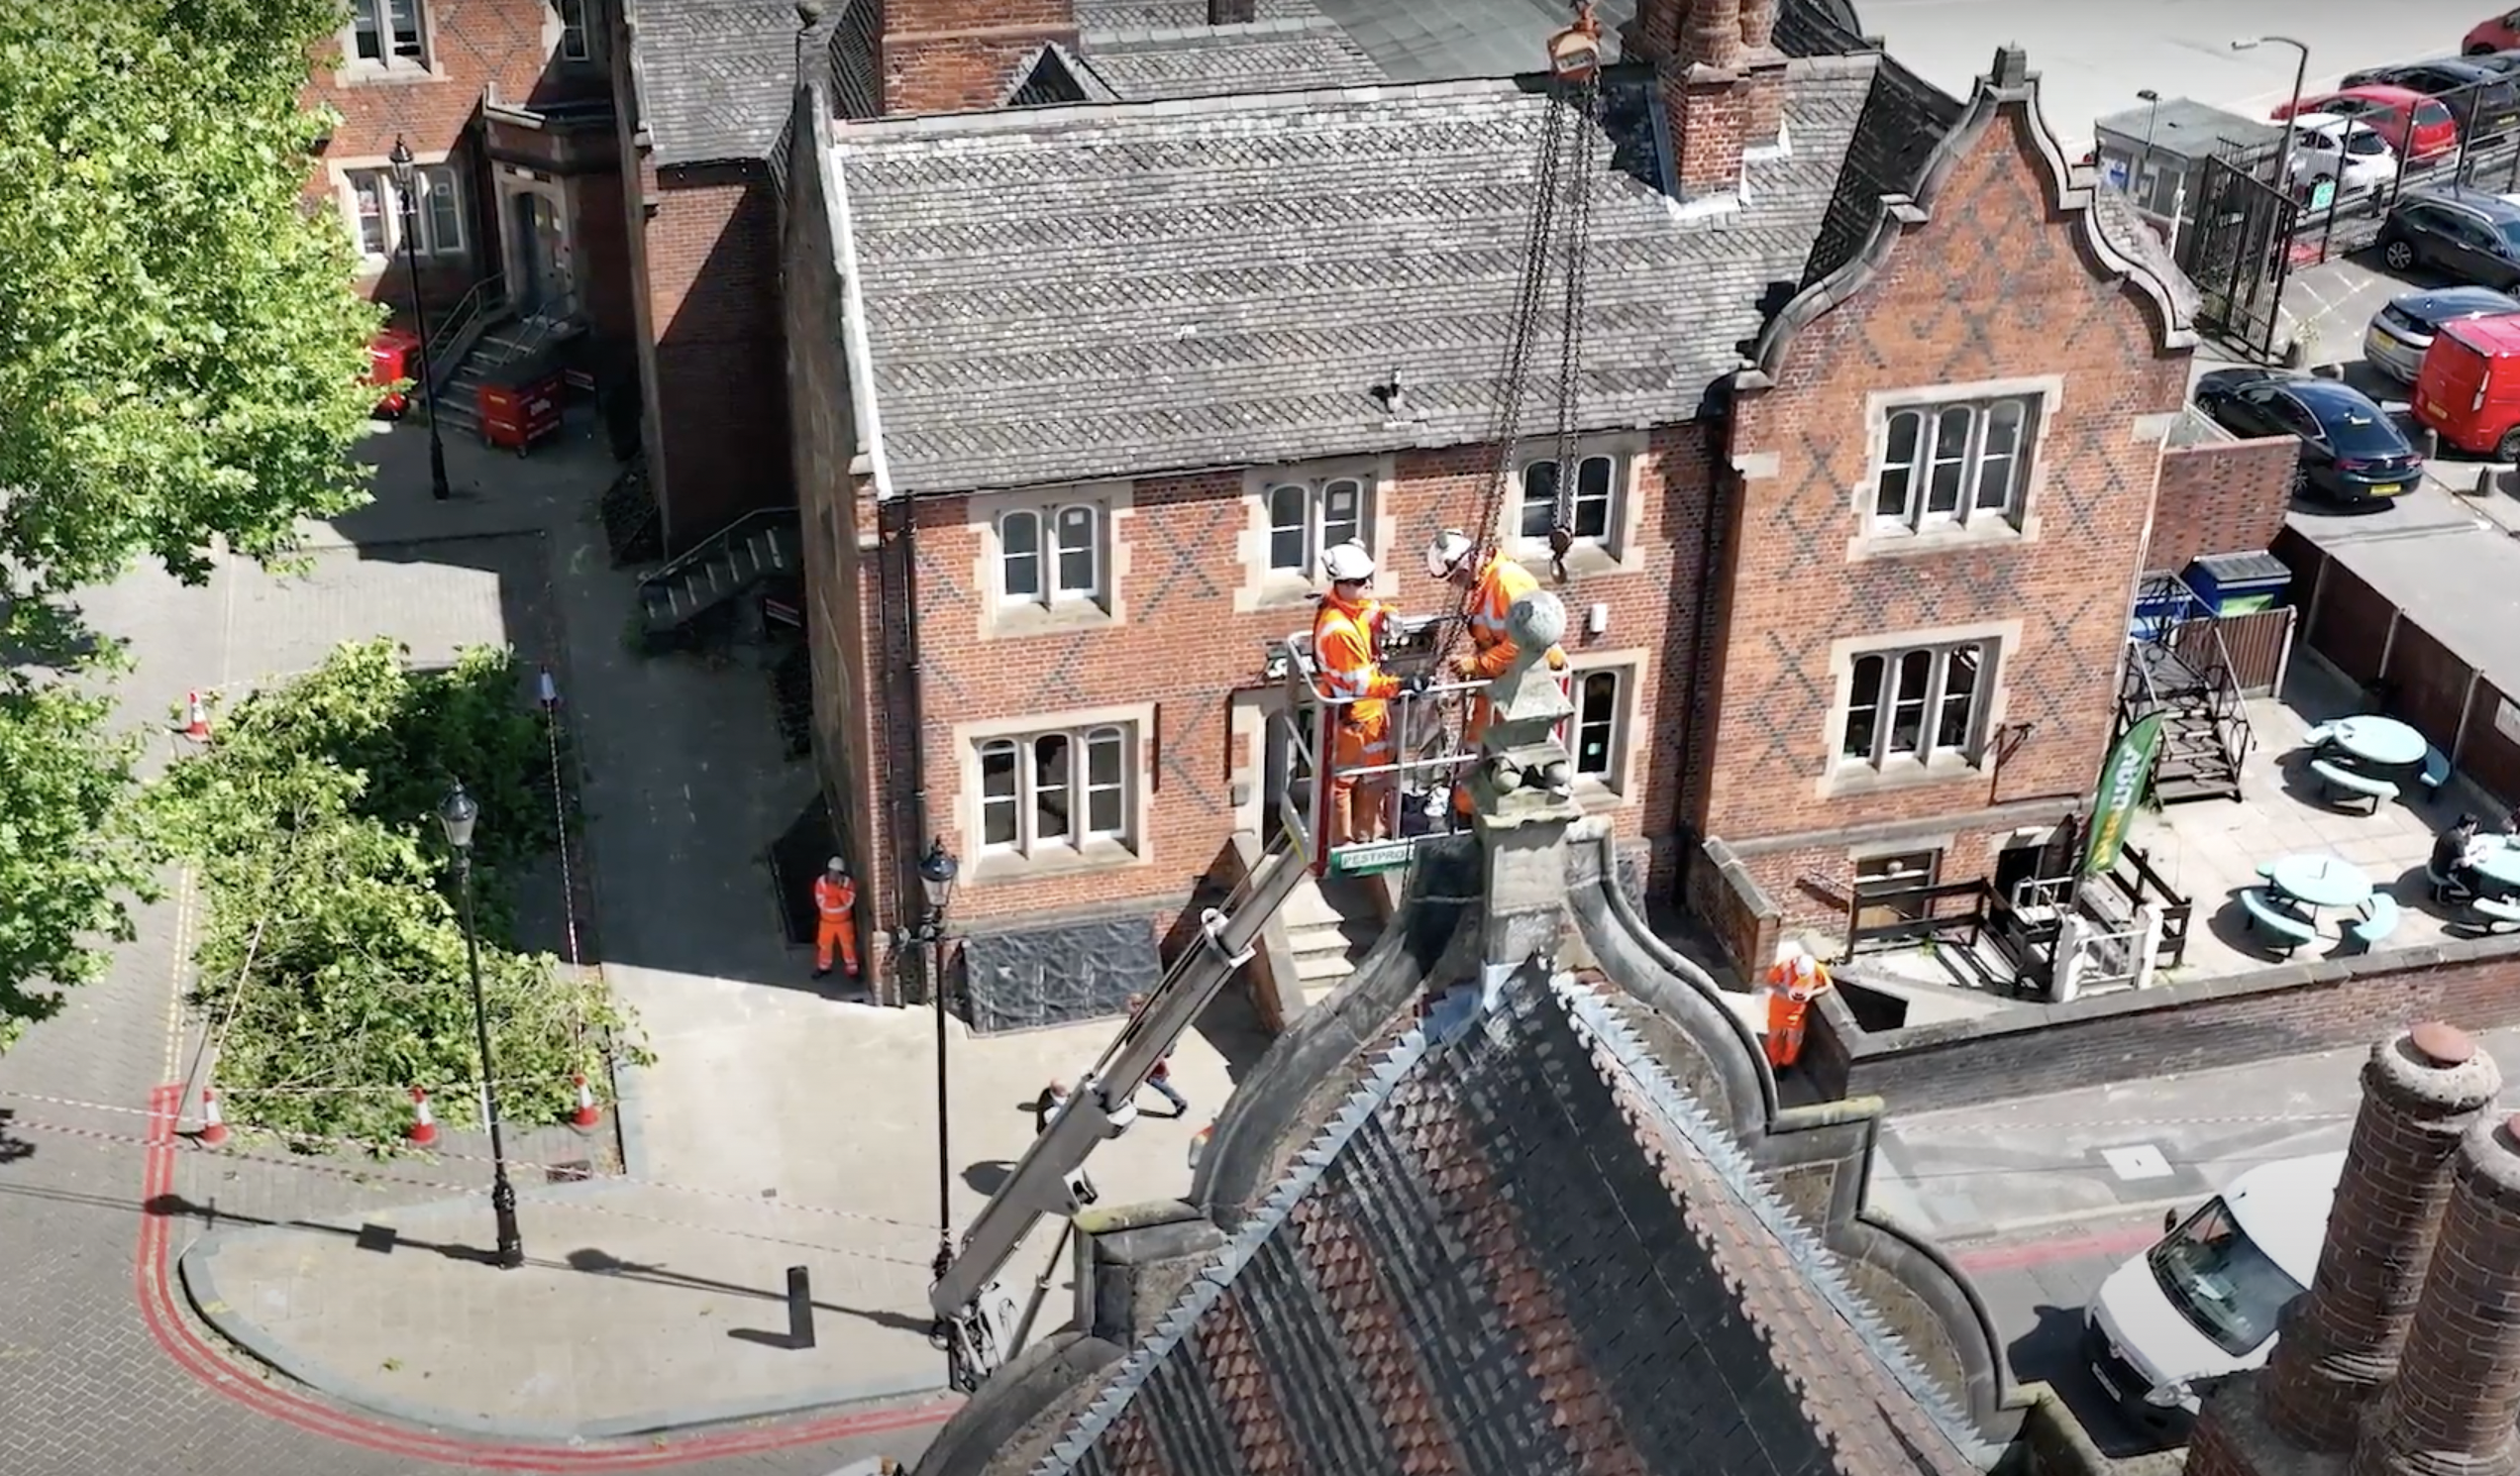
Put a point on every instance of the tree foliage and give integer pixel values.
(180, 357)
(332, 956)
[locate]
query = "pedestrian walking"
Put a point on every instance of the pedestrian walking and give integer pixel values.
(1792, 985)
(1161, 1078)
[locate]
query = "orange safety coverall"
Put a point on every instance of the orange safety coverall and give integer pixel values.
(1361, 731)
(1501, 583)
(834, 925)
(1789, 1002)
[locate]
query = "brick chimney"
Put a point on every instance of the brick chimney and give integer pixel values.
(2456, 1393)
(1232, 12)
(961, 55)
(2342, 1344)
(1721, 83)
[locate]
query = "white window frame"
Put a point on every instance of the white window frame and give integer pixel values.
(1930, 665)
(1609, 507)
(1614, 778)
(1968, 436)
(1082, 591)
(378, 18)
(1308, 519)
(998, 820)
(1051, 538)
(442, 226)
(576, 40)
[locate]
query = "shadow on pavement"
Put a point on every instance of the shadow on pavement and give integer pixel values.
(598, 1263)
(2050, 1352)
(988, 1176)
(12, 1146)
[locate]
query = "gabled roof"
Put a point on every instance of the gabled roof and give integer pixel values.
(1069, 293)
(1520, 1250)
(715, 77)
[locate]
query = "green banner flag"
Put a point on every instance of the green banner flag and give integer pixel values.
(2121, 786)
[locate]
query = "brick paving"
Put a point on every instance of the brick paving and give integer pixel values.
(87, 1386)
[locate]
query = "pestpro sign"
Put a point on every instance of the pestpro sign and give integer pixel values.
(2121, 786)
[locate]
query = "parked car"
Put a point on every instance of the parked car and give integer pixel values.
(2326, 147)
(2500, 34)
(2431, 132)
(2465, 234)
(2468, 390)
(2350, 447)
(2484, 102)
(2505, 62)
(2399, 334)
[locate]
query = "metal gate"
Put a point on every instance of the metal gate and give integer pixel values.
(2239, 250)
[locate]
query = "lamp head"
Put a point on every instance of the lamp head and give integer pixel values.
(459, 814)
(936, 873)
(400, 158)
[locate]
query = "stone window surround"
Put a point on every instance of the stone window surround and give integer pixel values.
(998, 867)
(1839, 777)
(1615, 553)
(1000, 617)
(558, 28)
(1624, 787)
(1872, 540)
(1265, 588)
(346, 197)
(353, 71)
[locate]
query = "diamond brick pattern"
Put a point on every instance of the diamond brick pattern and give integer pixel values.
(1071, 293)
(1521, 1252)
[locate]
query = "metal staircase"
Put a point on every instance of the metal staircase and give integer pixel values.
(2178, 666)
(757, 547)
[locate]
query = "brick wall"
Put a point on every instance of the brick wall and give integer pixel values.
(1183, 646)
(717, 365)
(606, 283)
(953, 55)
(2297, 1009)
(1927, 321)
(2228, 497)
(1722, 892)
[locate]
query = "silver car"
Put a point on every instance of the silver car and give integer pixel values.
(2401, 332)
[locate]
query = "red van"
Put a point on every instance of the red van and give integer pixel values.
(2469, 389)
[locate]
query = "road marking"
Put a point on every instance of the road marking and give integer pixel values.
(2138, 1161)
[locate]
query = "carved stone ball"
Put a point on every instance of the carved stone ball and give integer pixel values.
(1538, 622)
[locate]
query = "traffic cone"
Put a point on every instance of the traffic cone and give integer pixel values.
(423, 1123)
(1199, 1142)
(214, 1127)
(588, 1116)
(196, 718)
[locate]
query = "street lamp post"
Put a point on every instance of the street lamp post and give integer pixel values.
(459, 814)
(2300, 75)
(936, 873)
(408, 214)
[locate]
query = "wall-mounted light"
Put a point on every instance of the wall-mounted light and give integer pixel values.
(1596, 619)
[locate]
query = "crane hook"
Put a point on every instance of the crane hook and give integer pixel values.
(1561, 538)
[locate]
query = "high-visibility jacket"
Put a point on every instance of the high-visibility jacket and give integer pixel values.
(1501, 583)
(1782, 982)
(1343, 652)
(835, 899)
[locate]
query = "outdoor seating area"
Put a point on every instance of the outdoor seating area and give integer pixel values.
(2366, 758)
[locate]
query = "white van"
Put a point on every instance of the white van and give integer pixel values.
(2202, 1303)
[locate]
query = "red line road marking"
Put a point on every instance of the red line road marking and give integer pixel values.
(152, 1286)
(2018, 1255)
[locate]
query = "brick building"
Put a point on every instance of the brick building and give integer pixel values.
(2405, 1356)
(507, 106)
(1106, 376)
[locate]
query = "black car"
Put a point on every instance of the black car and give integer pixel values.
(2500, 63)
(2484, 100)
(2463, 233)
(2350, 447)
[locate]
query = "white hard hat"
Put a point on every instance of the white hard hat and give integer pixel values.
(1347, 564)
(1445, 554)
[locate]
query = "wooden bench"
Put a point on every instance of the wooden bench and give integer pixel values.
(2379, 918)
(2333, 778)
(2496, 910)
(2290, 929)
(2436, 769)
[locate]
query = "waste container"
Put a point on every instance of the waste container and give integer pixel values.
(520, 403)
(393, 356)
(2238, 583)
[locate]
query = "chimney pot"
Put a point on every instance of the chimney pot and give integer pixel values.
(2421, 1091)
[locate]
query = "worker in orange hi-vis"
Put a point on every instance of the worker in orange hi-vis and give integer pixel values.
(1345, 636)
(1792, 985)
(835, 898)
(1493, 584)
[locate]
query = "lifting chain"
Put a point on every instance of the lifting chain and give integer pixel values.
(1577, 235)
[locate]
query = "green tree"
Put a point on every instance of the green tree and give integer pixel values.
(181, 357)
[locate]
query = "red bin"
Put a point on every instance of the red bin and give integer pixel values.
(393, 356)
(519, 411)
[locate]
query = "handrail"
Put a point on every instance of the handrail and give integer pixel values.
(469, 308)
(716, 544)
(545, 321)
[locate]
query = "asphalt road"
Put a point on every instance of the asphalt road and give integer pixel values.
(2037, 1290)
(2093, 59)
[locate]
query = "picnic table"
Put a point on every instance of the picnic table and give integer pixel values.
(2321, 880)
(2381, 742)
(2498, 862)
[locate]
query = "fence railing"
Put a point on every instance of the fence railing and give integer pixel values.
(2343, 215)
(1941, 911)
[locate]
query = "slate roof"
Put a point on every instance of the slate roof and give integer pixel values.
(1062, 294)
(715, 77)
(1522, 1250)
(1204, 62)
